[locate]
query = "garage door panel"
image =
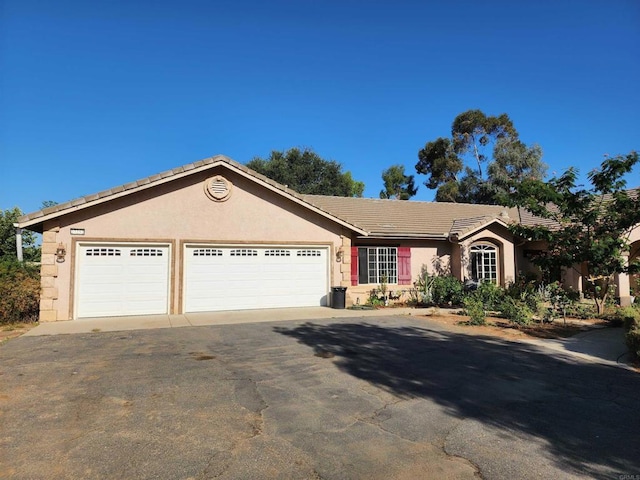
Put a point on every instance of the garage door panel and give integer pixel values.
(122, 280)
(242, 278)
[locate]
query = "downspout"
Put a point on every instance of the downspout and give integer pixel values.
(18, 242)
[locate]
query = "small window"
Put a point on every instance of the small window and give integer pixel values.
(308, 253)
(484, 263)
(377, 265)
(244, 252)
(103, 252)
(277, 253)
(207, 252)
(146, 252)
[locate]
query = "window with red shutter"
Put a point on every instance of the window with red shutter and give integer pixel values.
(375, 265)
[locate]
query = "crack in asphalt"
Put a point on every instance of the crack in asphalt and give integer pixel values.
(371, 420)
(205, 472)
(256, 424)
(478, 472)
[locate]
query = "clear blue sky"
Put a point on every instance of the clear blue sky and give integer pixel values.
(94, 94)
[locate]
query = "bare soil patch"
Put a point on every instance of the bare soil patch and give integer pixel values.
(8, 332)
(500, 327)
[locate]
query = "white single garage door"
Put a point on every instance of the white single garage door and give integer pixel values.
(239, 278)
(116, 280)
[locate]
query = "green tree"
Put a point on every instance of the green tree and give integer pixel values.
(513, 163)
(468, 166)
(306, 172)
(397, 185)
(8, 237)
(589, 226)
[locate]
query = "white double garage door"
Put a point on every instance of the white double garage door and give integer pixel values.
(135, 279)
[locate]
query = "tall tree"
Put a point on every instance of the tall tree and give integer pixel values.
(397, 185)
(8, 237)
(461, 167)
(590, 226)
(306, 172)
(513, 163)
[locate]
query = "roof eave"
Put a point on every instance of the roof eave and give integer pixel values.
(407, 236)
(463, 235)
(297, 198)
(162, 178)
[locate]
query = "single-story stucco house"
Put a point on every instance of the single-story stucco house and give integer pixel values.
(215, 235)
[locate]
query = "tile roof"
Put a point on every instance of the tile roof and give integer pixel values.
(528, 219)
(376, 217)
(409, 218)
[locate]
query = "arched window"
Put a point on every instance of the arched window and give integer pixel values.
(484, 262)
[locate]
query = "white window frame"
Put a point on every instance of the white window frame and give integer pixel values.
(484, 262)
(380, 261)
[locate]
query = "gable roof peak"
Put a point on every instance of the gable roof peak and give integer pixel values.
(36, 219)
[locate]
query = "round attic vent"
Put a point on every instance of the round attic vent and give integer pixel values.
(218, 188)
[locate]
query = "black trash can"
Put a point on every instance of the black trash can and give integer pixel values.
(338, 297)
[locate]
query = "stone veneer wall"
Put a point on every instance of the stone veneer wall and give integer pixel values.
(48, 274)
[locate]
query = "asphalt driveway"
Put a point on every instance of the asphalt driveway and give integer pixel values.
(375, 398)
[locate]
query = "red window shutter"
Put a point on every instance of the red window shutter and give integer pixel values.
(354, 265)
(404, 266)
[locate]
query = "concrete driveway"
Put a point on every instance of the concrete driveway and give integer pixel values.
(375, 398)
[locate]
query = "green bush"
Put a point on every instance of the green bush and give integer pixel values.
(474, 307)
(629, 318)
(516, 311)
(632, 338)
(622, 316)
(19, 292)
(527, 291)
(490, 294)
(581, 310)
(523, 287)
(447, 290)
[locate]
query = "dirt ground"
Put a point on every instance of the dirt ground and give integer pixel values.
(499, 327)
(8, 332)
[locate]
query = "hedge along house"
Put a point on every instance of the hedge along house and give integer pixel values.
(215, 235)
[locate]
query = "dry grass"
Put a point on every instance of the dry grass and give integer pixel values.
(14, 330)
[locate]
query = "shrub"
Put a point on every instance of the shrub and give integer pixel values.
(559, 299)
(632, 338)
(516, 311)
(522, 287)
(474, 307)
(629, 317)
(447, 290)
(19, 292)
(374, 299)
(527, 291)
(631, 321)
(423, 287)
(581, 310)
(490, 295)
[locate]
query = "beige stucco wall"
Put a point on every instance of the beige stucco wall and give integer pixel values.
(523, 264)
(433, 255)
(634, 254)
(178, 212)
(501, 238)
(628, 286)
